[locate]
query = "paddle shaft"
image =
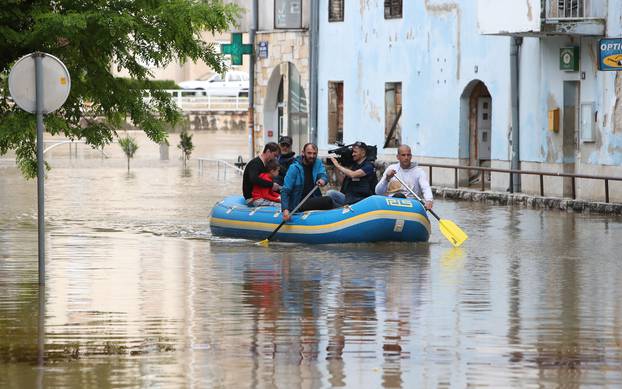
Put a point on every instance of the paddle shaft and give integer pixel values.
(294, 211)
(416, 196)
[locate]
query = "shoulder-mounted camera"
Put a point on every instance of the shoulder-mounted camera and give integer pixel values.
(344, 153)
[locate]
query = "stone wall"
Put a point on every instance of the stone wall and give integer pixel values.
(226, 121)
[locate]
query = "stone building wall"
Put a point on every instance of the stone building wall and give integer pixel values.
(283, 46)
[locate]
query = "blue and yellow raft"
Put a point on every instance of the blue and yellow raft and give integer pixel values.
(374, 219)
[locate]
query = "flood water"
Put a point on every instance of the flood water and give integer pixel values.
(139, 294)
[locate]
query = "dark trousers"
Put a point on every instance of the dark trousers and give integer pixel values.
(317, 203)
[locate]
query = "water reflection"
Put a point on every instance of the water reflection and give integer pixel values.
(140, 295)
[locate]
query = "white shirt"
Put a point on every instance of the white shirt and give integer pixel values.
(414, 177)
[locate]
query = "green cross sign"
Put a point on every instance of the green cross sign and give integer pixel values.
(236, 48)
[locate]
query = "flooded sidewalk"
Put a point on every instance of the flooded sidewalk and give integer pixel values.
(139, 294)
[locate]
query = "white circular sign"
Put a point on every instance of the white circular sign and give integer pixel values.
(56, 83)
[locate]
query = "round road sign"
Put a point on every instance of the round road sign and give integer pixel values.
(56, 83)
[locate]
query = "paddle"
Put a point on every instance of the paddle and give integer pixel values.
(266, 241)
(449, 229)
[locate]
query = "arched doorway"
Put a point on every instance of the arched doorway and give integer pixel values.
(285, 108)
(475, 131)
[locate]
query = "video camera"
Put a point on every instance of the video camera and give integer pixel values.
(344, 154)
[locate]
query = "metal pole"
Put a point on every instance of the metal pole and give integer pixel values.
(515, 93)
(251, 82)
(313, 70)
(40, 171)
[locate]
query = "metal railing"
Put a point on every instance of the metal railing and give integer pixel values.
(222, 166)
(482, 171)
(199, 101)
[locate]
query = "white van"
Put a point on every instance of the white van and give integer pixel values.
(234, 83)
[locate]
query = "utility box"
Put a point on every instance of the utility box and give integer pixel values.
(569, 59)
(554, 120)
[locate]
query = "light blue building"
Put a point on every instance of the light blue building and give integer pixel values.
(438, 75)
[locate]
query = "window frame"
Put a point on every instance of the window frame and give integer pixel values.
(274, 16)
(388, 7)
(333, 87)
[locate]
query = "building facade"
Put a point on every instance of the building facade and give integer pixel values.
(282, 71)
(477, 83)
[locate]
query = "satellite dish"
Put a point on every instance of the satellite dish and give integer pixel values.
(56, 83)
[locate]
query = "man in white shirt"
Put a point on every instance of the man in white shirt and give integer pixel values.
(410, 174)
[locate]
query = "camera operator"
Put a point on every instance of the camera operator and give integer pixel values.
(360, 179)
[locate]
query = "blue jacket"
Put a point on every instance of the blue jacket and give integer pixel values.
(291, 192)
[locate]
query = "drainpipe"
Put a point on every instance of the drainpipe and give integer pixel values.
(313, 67)
(251, 83)
(515, 184)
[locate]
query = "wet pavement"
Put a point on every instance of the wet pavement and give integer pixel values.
(139, 294)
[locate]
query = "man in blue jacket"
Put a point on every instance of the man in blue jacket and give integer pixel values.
(304, 173)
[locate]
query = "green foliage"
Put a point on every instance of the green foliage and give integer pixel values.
(129, 146)
(91, 36)
(185, 145)
(152, 84)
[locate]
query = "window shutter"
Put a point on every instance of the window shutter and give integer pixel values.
(335, 10)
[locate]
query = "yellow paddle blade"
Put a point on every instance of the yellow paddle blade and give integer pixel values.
(452, 232)
(263, 243)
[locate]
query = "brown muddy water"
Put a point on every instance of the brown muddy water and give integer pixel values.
(140, 295)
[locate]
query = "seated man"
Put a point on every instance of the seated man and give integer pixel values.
(410, 174)
(286, 158)
(255, 167)
(301, 178)
(360, 178)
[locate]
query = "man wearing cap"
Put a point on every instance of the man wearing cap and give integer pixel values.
(411, 174)
(360, 178)
(286, 158)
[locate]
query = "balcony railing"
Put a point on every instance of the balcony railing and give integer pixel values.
(198, 101)
(574, 10)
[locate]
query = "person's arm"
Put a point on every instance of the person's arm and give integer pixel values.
(381, 187)
(424, 184)
(350, 173)
(321, 176)
(288, 185)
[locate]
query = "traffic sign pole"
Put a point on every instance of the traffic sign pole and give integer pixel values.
(38, 57)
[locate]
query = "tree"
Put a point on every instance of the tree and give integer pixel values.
(91, 36)
(185, 144)
(129, 146)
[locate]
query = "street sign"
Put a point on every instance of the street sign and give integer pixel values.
(263, 49)
(610, 54)
(39, 83)
(56, 83)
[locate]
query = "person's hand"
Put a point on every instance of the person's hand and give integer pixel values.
(286, 215)
(390, 173)
(334, 160)
(321, 182)
(428, 204)
(276, 187)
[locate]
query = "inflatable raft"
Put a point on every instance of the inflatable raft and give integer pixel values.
(374, 219)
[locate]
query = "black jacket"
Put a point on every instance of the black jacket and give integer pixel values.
(251, 177)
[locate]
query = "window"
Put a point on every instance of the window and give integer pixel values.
(287, 13)
(335, 111)
(335, 10)
(392, 9)
(392, 114)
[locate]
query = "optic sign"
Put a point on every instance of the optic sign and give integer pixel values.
(610, 54)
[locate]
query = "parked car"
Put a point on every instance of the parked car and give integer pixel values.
(234, 83)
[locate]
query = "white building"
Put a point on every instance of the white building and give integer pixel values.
(437, 74)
